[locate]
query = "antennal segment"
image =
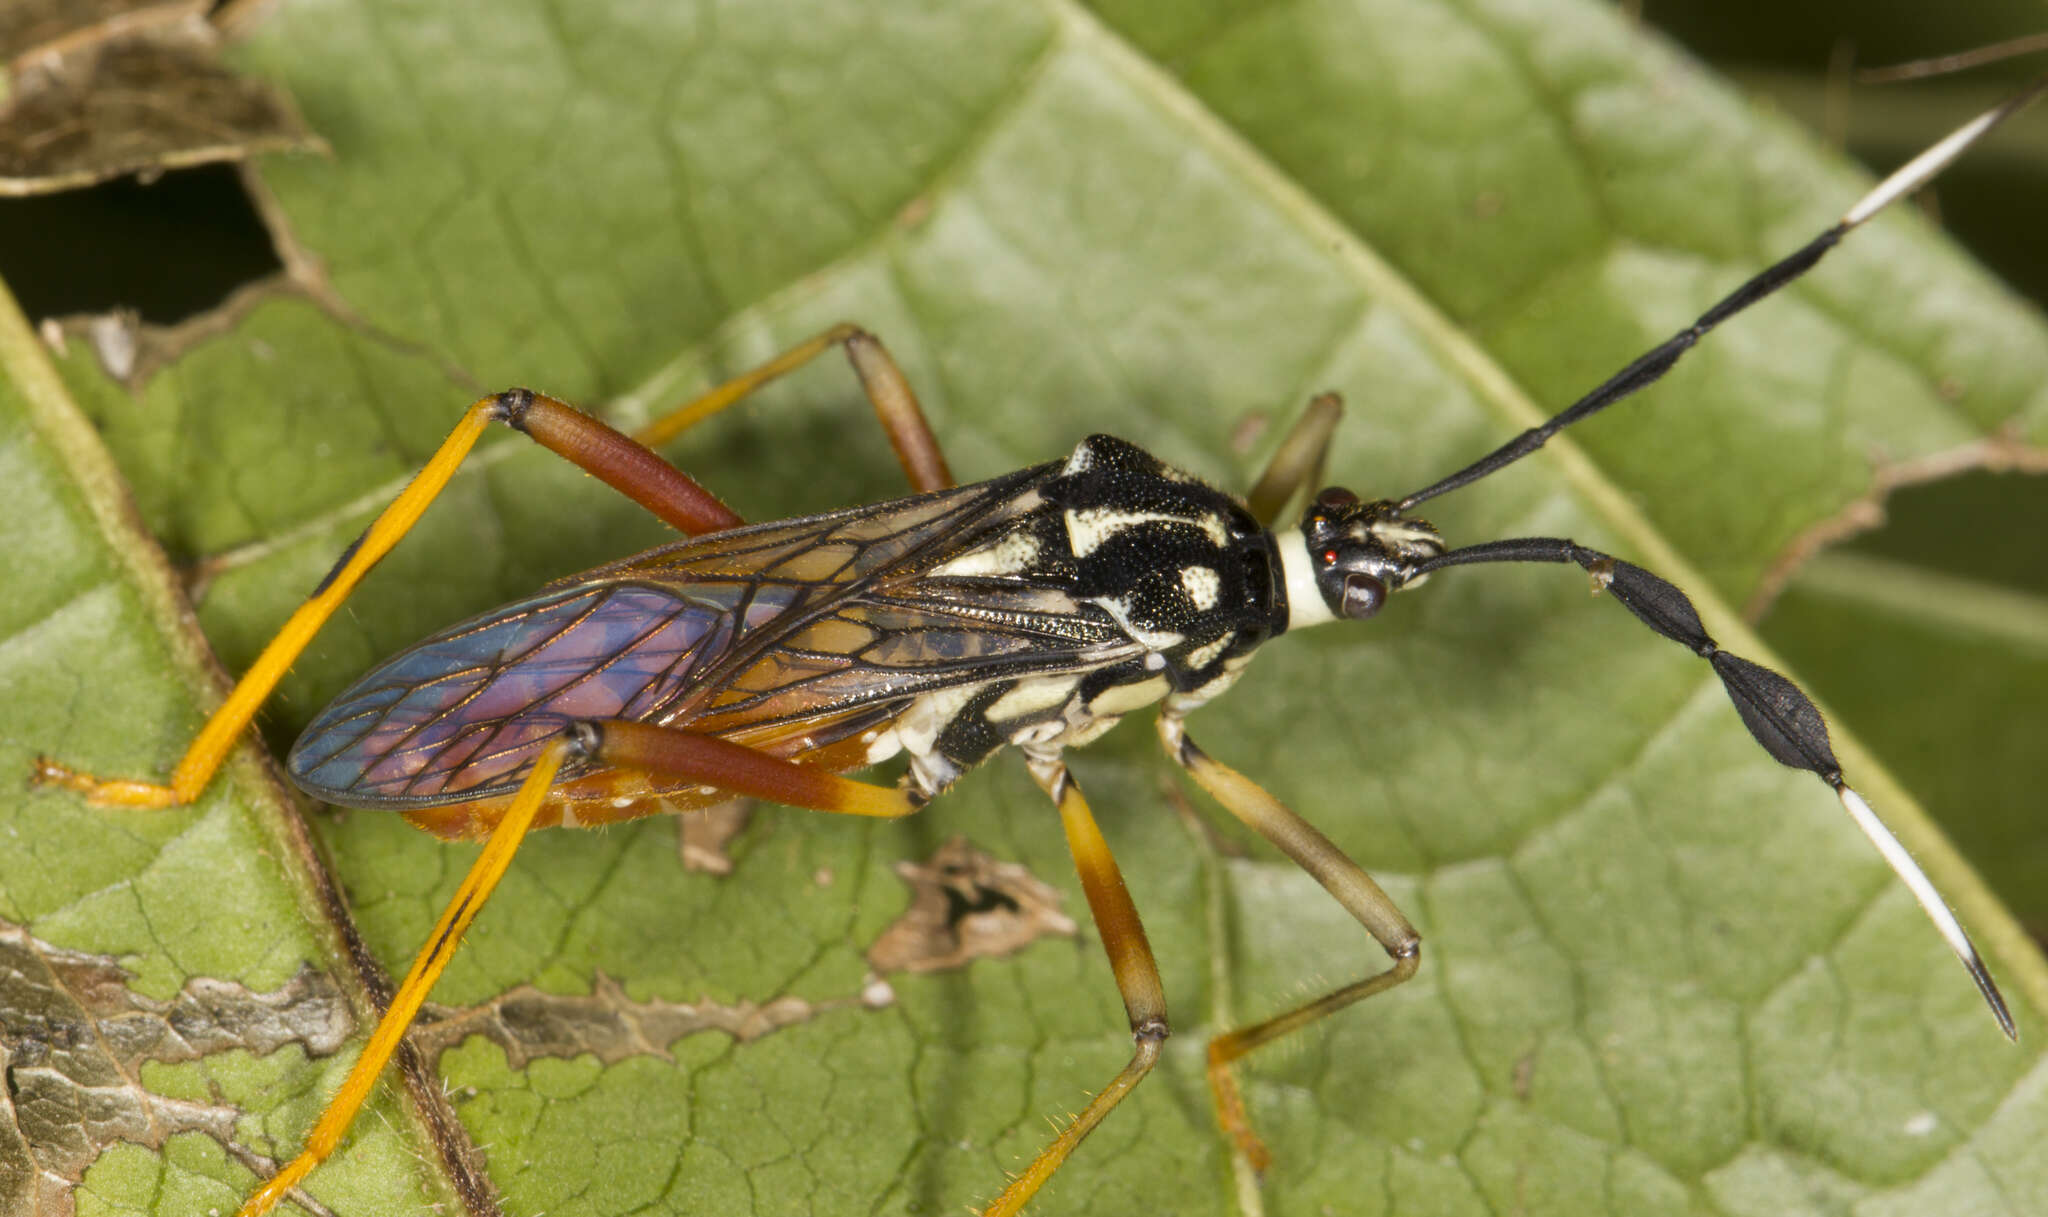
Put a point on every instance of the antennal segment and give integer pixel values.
(1649, 367)
(1781, 717)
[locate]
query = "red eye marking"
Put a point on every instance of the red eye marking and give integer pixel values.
(1329, 557)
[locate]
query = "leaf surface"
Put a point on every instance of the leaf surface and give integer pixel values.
(1662, 975)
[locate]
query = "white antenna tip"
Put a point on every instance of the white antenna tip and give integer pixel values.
(1921, 169)
(1931, 903)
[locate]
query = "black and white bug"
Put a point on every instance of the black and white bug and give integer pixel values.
(1032, 610)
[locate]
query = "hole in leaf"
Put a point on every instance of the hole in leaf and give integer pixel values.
(167, 249)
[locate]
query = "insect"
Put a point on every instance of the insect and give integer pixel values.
(1032, 611)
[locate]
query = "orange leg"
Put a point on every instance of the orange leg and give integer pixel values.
(612, 457)
(1339, 875)
(626, 464)
(917, 449)
(739, 770)
(469, 900)
(1130, 960)
(665, 751)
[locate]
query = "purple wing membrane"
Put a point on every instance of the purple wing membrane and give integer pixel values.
(462, 714)
(814, 628)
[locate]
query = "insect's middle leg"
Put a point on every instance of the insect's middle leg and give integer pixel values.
(917, 449)
(1130, 960)
(1339, 875)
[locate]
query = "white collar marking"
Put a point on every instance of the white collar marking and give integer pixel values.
(1305, 603)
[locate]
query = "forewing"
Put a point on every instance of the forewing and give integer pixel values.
(790, 637)
(895, 623)
(828, 553)
(885, 647)
(461, 714)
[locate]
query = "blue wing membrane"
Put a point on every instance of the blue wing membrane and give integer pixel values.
(790, 636)
(464, 712)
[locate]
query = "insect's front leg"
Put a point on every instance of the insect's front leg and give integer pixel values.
(1340, 876)
(1130, 959)
(1298, 462)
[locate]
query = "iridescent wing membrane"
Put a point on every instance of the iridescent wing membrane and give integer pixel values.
(795, 638)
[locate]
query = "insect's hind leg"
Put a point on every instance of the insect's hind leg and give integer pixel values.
(917, 449)
(476, 888)
(1130, 959)
(626, 466)
(739, 770)
(1340, 876)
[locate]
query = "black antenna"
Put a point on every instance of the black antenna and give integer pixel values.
(1781, 717)
(1652, 365)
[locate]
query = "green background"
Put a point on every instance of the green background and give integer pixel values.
(1662, 974)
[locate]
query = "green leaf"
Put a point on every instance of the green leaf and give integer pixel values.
(1969, 744)
(1662, 974)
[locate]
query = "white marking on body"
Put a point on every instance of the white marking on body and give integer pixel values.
(932, 773)
(1030, 696)
(1012, 555)
(1194, 699)
(920, 723)
(1120, 610)
(1081, 461)
(1155, 662)
(1081, 734)
(1400, 533)
(916, 731)
(1079, 725)
(1119, 700)
(1039, 734)
(1204, 655)
(1089, 528)
(1305, 603)
(1203, 585)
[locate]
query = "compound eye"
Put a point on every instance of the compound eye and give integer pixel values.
(1332, 500)
(1363, 596)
